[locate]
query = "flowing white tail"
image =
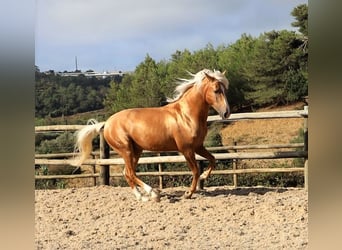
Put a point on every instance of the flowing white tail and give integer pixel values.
(84, 138)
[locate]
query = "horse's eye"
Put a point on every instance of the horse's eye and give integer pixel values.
(218, 88)
(217, 91)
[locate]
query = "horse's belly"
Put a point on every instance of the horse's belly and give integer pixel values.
(155, 142)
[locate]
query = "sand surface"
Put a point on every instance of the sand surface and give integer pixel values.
(105, 217)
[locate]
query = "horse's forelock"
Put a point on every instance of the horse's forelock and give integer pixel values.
(218, 76)
(185, 84)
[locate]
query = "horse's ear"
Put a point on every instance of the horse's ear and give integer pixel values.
(224, 72)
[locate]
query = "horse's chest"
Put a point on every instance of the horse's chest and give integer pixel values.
(194, 135)
(189, 131)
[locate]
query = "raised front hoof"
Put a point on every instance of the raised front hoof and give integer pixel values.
(204, 175)
(187, 195)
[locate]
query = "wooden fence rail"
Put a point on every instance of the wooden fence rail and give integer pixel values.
(233, 117)
(211, 149)
(177, 173)
(180, 158)
(104, 162)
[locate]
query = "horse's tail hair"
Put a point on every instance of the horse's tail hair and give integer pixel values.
(84, 138)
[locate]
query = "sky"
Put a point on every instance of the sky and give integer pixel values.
(113, 35)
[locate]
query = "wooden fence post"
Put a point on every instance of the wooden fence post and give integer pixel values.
(94, 171)
(306, 161)
(234, 167)
(104, 154)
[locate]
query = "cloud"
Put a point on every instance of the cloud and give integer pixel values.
(77, 21)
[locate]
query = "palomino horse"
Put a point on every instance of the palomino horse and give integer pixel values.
(181, 125)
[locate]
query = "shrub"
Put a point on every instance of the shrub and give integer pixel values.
(49, 183)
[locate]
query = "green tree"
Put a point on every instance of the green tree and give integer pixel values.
(300, 13)
(205, 58)
(118, 95)
(279, 61)
(237, 60)
(144, 88)
(146, 85)
(180, 64)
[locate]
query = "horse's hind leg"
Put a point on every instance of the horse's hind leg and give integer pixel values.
(131, 158)
(128, 175)
(126, 151)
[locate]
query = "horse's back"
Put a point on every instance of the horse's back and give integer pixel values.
(149, 128)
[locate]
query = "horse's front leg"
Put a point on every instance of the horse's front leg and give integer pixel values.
(191, 160)
(202, 151)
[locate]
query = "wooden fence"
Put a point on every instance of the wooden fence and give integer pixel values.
(103, 161)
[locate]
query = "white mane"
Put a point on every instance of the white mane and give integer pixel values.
(197, 78)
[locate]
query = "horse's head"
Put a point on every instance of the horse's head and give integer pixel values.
(215, 93)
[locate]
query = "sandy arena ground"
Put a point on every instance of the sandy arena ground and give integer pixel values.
(105, 217)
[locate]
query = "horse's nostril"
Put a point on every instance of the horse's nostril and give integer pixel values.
(226, 114)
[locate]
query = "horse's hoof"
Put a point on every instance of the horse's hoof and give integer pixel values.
(155, 195)
(144, 198)
(187, 195)
(204, 175)
(156, 199)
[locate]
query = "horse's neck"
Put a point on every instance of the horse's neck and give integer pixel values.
(193, 104)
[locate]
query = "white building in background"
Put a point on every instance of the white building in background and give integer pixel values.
(105, 74)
